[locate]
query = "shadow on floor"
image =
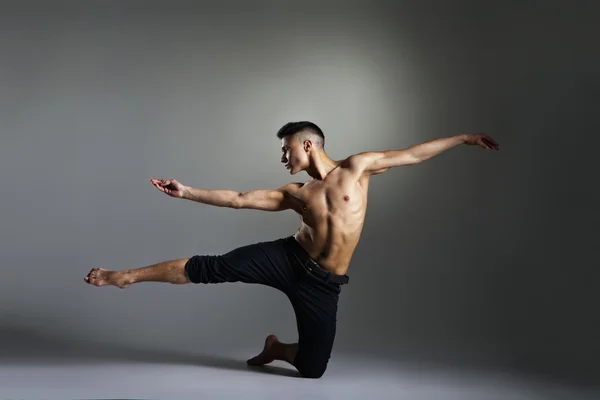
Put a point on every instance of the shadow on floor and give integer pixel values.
(24, 346)
(19, 345)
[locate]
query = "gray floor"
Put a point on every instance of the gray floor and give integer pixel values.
(31, 371)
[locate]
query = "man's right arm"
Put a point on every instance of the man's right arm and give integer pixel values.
(260, 199)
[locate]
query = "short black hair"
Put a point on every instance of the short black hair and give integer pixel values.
(292, 128)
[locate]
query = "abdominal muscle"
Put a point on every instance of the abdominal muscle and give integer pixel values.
(331, 248)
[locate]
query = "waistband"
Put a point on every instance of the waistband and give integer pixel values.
(314, 267)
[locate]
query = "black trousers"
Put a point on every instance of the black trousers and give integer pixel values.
(284, 265)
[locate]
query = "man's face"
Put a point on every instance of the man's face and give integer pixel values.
(295, 156)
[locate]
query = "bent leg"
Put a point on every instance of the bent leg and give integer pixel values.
(316, 309)
(314, 352)
(313, 356)
(315, 305)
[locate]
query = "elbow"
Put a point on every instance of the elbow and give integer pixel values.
(412, 156)
(236, 202)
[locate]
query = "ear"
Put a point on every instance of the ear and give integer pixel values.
(307, 145)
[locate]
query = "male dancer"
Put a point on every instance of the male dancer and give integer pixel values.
(309, 266)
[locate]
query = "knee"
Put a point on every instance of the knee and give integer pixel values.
(312, 359)
(204, 269)
(313, 371)
(313, 374)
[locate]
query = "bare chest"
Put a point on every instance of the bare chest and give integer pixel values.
(317, 199)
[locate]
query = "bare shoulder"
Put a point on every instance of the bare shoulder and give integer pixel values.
(357, 163)
(354, 167)
(291, 187)
(364, 163)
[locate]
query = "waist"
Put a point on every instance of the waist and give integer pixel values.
(313, 266)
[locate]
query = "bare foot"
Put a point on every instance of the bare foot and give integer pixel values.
(103, 277)
(267, 355)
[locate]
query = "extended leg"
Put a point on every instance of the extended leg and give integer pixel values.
(265, 263)
(172, 271)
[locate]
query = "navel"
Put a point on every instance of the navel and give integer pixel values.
(346, 198)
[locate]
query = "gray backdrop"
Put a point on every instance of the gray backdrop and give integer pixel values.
(473, 257)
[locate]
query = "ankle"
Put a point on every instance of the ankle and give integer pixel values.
(284, 351)
(125, 277)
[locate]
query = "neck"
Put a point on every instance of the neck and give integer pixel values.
(320, 165)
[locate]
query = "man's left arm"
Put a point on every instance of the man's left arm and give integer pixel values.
(379, 161)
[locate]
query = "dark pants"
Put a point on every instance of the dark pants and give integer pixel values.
(284, 265)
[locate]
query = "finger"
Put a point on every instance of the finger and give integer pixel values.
(491, 141)
(492, 144)
(485, 145)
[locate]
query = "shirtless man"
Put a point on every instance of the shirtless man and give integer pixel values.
(309, 266)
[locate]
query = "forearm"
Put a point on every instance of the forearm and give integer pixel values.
(426, 150)
(213, 197)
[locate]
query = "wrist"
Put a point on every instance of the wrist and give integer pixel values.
(462, 138)
(186, 193)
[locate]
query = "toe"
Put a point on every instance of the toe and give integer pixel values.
(257, 360)
(93, 278)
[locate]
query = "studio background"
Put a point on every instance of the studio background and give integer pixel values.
(471, 258)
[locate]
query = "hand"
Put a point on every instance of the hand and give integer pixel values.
(481, 140)
(169, 186)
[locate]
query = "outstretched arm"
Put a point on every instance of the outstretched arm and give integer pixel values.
(263, 199)
(260, 199)
(379, 161)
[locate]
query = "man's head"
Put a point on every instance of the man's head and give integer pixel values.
(298, 141)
